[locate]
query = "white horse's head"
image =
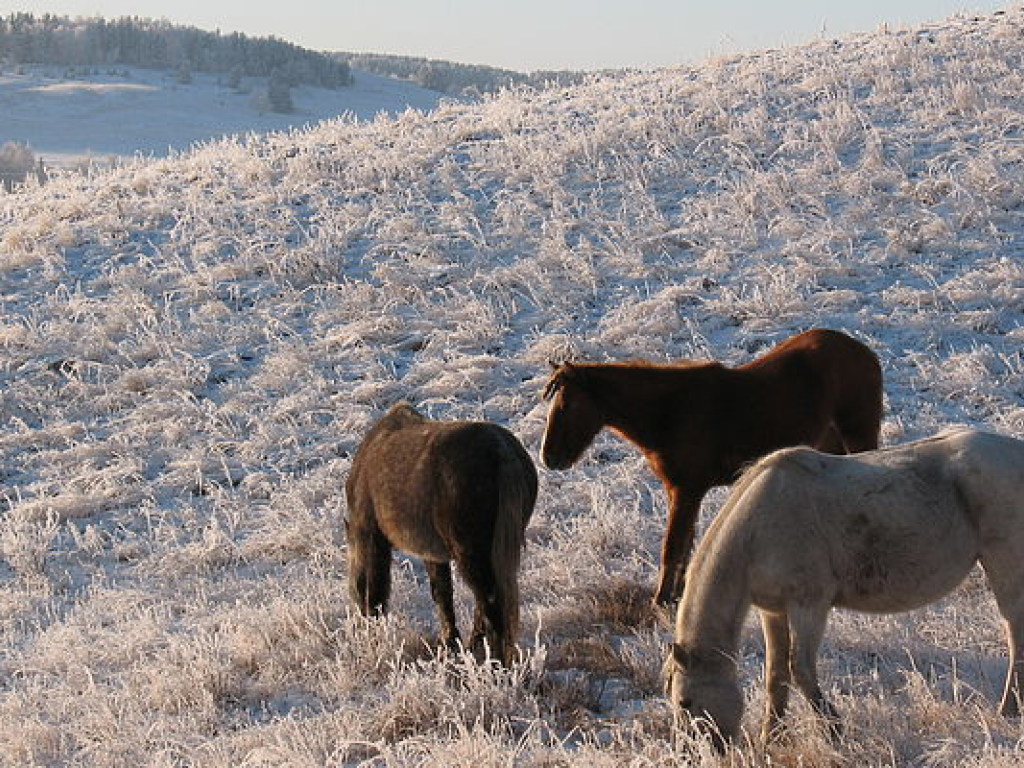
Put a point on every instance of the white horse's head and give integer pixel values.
(705, 692)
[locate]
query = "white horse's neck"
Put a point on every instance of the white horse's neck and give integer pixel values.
(717, 597)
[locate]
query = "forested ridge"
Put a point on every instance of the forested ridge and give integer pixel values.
(159, 44)
(455, 78)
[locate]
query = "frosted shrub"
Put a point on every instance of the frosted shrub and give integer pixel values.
(994, 181)
(16, 164)
(966, 98)
(25, 543)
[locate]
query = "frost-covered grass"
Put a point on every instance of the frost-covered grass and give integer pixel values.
(192, 347)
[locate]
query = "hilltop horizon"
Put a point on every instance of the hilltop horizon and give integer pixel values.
(87, 91)
(533, 36)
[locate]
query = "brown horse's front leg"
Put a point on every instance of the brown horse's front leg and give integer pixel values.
(683, 508)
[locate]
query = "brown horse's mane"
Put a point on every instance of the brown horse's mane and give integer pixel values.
(642, 373)
(644, 364)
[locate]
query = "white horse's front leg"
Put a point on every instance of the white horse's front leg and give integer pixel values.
(776, 672)
(806, 627)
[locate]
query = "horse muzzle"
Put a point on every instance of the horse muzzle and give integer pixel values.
(552, 460)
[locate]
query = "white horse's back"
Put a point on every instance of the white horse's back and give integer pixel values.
(884, 531)
(881, 531)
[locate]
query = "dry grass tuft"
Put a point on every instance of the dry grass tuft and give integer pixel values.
(616, 606)
(623, 605)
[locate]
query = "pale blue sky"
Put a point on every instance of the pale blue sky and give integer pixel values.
(533, 34)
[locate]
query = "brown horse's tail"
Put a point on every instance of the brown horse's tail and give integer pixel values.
(517, 493)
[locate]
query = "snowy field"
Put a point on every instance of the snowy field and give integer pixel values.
(66, 116)
(193, 346)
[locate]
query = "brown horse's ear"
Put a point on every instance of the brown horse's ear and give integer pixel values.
(549, 388)
(565, 365)
(554, 382)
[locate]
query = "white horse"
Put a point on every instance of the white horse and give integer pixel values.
(882, 531)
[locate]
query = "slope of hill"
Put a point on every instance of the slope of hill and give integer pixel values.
(124, 111)
(192, 347)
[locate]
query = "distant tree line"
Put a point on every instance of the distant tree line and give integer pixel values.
(456, 79)
(132, 41)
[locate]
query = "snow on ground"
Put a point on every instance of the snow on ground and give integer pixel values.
(65, 115)
(192, 347)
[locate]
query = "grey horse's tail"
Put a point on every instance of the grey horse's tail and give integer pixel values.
(517, 493)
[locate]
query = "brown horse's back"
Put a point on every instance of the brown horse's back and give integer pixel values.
(430, 483)
(833, 376)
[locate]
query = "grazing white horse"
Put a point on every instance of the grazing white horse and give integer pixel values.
(882, 531)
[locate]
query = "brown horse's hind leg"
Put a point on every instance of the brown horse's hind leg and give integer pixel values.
(441, 591)
(1011, 702)
(683, 509)
(489, 620)
(369, 569)
(860, 428)
(831, 442)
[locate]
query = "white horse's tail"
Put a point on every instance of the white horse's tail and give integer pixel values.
(517, 493)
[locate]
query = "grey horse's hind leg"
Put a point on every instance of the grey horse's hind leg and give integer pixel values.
(1002, 569)
(441, 590)
(1011, 703)
(807, 626)
(776, 671)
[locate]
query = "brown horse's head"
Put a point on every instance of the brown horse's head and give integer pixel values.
(574, 417)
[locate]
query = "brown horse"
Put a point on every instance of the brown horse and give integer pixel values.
(442, 491)
(700, 423)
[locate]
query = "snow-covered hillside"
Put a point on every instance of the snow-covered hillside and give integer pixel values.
(192, 347)
(66, 115)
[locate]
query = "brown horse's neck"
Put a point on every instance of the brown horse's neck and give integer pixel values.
(637, 399)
